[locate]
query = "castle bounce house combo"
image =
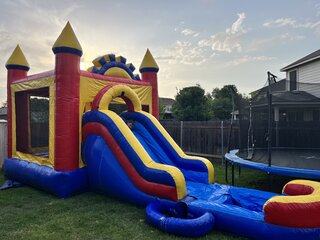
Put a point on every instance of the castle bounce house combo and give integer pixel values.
(130, 156)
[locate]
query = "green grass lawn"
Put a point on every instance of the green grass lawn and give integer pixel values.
(26, 213)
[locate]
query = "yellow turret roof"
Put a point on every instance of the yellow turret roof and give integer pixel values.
(17, 60)
(67, 42)
(148, 63)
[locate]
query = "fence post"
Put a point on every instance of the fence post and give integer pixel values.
(3, 141)
(181, 133)
(222, 143)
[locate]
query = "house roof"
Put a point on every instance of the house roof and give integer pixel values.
(287, 98)
(167, 101)
(311, 57)
(274, 87)
(3, 111)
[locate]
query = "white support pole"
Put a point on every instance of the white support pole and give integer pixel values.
(3, 141)
(276, 119)
(276, 114)
(222, 143)
(181, 133)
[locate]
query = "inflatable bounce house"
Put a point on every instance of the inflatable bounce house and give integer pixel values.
(83, 145)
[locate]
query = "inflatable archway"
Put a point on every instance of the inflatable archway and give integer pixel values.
(108, 93)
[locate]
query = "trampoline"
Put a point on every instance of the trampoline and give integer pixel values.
(279, 132)
(298, 163)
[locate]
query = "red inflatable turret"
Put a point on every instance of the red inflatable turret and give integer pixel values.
(17, 66)
(67, 78)
(149, 69)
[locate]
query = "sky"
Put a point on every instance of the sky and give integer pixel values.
(207, 42)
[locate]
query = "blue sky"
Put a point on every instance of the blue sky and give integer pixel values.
(208, 42)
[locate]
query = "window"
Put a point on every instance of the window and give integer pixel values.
(168, 109)
(308, 116)
(39, 124)
(283, 116)
(293, 80)
(299, 115)
(32, 121)
(291, 116)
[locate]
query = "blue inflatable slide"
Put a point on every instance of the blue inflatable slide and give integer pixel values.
(131, 157)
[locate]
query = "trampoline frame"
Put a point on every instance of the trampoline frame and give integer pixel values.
(234, 159)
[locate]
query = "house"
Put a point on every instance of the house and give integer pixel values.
(235, 115)
(304, 74)
(295, 107)
(297, 97)
(3, 113)
(167, 103)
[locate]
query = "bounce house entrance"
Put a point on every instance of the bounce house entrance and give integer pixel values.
(32, 121)
(119, 108)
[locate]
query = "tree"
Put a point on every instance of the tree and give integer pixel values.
(192, 105)
(221, 108)
(223, 100)
(39, 110)
(224, 92)
(162, 109)
(5, 104)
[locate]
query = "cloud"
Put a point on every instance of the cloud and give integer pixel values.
(45, 24)
(184, 52)
(289, 22)
(181, 24)
(290, 37)
(247, 58)
(280, 22)
(229, 40)
(193, 52)
(258, 44)
(165, 58)
(35, 29)
(237, 25)
(188, 32)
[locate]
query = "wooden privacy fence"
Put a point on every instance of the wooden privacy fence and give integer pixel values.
(205, 138)
(3, 141)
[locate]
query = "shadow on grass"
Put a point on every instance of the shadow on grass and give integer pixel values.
(27, 213)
